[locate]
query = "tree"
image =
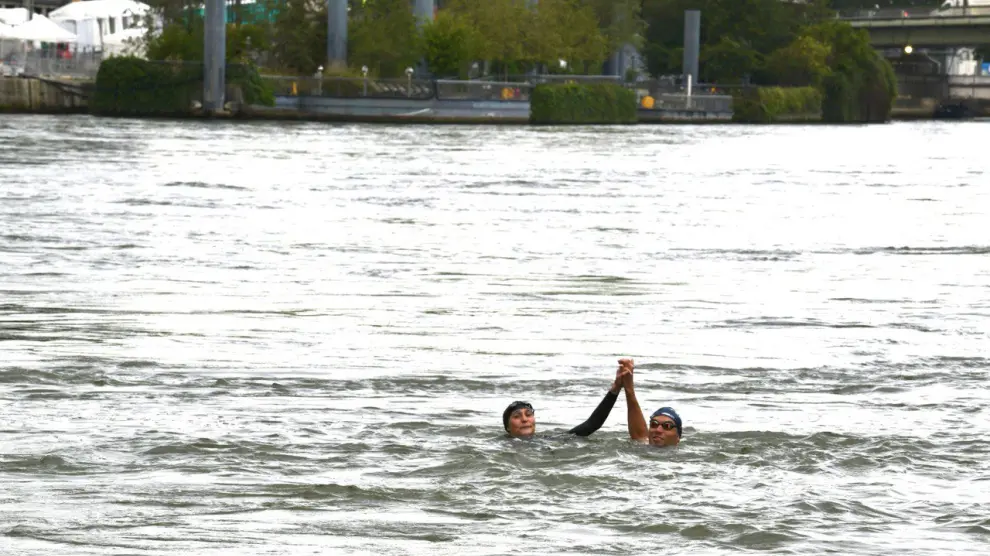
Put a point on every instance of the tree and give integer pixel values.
(620, 21)
(760, 26)
(501, 28)
(728, 61)
(300, 36)
(450, 44)
(384, 37)
(565, 30)
(802, 63)
(861, 85)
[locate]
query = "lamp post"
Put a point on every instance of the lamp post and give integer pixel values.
(409, 73)
(319, 81)
(364, 72)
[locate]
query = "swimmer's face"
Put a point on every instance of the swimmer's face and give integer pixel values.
(522, 422)
(663, 431)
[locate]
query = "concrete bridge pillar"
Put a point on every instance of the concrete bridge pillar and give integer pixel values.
(336, 33)
(423, 10)
(214, 55)
(692, 44)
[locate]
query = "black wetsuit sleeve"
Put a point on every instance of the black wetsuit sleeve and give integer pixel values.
(598, 417)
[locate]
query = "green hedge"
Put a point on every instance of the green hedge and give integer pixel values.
(593, 103)
(130, 86)
(777, 104)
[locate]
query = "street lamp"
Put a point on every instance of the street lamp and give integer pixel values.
(409, 73)
(319, 81)
(908, 49)
(364, 72)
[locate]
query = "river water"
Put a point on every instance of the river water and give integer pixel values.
(271, 338)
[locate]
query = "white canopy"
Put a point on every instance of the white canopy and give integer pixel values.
(13, 16)
(122, 38)
(94, 9)
(40, 28)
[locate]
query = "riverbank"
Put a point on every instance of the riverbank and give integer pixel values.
(39, 96)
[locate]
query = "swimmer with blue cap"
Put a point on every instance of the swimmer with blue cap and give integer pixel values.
(665, 424)
(519, 418)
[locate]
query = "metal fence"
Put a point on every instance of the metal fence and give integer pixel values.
(351, 87)
(483, 90)
(693, 103)
(82, 64)
(702, 99)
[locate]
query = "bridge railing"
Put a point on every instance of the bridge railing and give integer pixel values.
(913, 12)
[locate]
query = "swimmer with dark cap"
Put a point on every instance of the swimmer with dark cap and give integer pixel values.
(665, 424)
(519, 419)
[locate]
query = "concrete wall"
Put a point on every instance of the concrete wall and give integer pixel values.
(372, 108)
(492, 111)
(33, 95)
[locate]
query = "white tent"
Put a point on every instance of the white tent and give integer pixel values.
(128, 42)
(42, 29)
(92, 20)
(97, 9)
(13, 16)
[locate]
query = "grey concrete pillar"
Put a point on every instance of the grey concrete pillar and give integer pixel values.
(336, 33)
(692, 43)
(214, 55)
(423, 10)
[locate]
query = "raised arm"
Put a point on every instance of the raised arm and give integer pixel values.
(600, 414)
(634, 415)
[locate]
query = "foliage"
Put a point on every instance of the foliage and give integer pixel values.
(754, 27)
(728, 61)
(620, 22)
(299, 36)
(253, 87)
(383, 36)
(450, 44)
(500, 26)
(595, 103)
(773, 104)
(861, 85)
(181, 42)
(803, 62)
(565, 30)
(130, 86)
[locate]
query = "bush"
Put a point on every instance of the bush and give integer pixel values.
(775, 104)
(595, 103)
(255, 89)
(129, 86)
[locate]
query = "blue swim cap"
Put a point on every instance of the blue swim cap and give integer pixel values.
(669, 412)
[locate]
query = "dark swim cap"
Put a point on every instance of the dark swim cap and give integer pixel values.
(512, 407)
(669, 412)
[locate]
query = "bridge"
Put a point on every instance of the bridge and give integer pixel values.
(923, 28)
